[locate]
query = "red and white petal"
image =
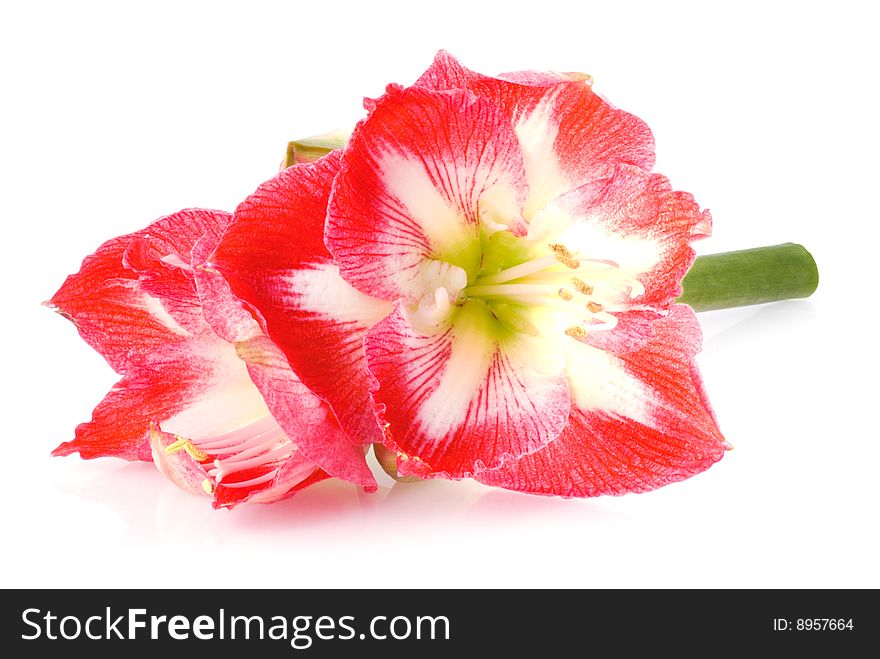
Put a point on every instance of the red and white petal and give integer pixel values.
(321, 321)
(273, 257)
(635, 220)
(162, 257)
(120, 423)
(111, 312)
(133, 296)
(544, 78)
(466, 397)
(306, 419)
(632, 331)
(446, 73)
(167, 386)
(638, 421)
(231, 318)
(164, 250)
(569, 134)
(418, 177)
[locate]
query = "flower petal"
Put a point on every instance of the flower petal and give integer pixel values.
(273, 257)
(306, 419)
(634, 219)
(138, 333)
(638, 421)
(162, 257)
(110, 311)
(174, 383)
(418, 176)
(466, 396)
(447, 73)
(199, 384)
(569, 134)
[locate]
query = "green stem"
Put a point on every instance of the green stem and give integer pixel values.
(750, 276)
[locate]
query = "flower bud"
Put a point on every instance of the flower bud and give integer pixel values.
(312, 148)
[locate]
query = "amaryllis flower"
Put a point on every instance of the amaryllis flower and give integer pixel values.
(492, 294)
(204, 393)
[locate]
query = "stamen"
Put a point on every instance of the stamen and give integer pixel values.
(241, 438)
(560, 250)
(194, 453)
(542, 284)
(232, 465)
(508, 290)
(183, 444)
(519, 271)
(207, 487)
(564, 256)
(176, 446)
(581, 286)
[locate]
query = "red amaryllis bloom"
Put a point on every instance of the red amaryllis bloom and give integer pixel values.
(204, 393)
(495, 285)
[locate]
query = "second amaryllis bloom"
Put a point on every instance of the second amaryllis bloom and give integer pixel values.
(492, 294)
(204, 393)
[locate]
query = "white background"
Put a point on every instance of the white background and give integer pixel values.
(113, 115)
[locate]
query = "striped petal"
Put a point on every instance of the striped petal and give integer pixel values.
(305, 419)
(634, 220)
(466, 395)
(639, 420)
(117, 310)
(568, 134)
(447, 73)
(422, 175)
(273, 257)
(210, 398)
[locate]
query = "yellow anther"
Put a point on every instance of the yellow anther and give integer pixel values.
(183, 444)
(177, 445)
(207, 487)
(560, 250)
(581, 286)
(196, 454)
(576, 332)
(594, 307)
(562, 254)
(564, 294)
